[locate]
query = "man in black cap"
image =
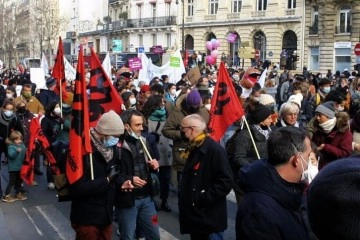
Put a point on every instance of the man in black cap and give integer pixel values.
(47, 96)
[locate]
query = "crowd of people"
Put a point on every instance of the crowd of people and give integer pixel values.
(279, 158)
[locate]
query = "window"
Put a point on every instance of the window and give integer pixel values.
(140, 40)
(236, 6)
(153, 10)
(168, 40)
(167, 8)
(314, 58)
(342, 58)
(116, 14)
(261, 5)
(291, 4)
(314, 28)
(139, 11)
(345, 20)
(190, 8)
(213, 6)
(153, 36)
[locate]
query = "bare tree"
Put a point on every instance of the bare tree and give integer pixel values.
(8, 37)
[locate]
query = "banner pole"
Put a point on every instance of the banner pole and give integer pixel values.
(252, 139)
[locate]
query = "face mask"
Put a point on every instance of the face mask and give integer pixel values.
(111, 141)
(173, 92)
(326, 89)
(312, 171)
(21, 109)
(8, 113)
(162, 108)
(133, 134)
(305, 173)
(9, 95)
(27, 95)
(132, 101)
(57, 111)
(236, 77)
(208, 106)
(340, 109)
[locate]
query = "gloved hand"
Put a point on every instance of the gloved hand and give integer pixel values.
(114, 173)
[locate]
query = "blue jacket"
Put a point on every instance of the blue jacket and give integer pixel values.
(270, 208)
(16, 158)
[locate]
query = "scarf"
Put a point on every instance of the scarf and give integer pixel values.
(328, 125)
(193, 144)
(158, 115)
(5, 120)
(284, 124)
(106, 152)
(265, 132)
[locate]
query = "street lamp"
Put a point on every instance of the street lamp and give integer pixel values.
(182, 29)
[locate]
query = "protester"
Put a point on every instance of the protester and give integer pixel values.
(93, 199)
(16, 152)
(136, 209)
(6, 117)
(47, 96)
(274, 189)
(206, 181)
(332, 201)
(34, 104)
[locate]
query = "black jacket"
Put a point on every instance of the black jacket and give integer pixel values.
(93, 200)
(206, 180)
(270, 208)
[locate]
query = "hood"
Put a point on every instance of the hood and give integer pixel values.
(263, 178)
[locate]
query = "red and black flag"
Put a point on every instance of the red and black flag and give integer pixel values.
(58, 73)
(36, 134)
(79, 137)
(225, 105)
(103, 95)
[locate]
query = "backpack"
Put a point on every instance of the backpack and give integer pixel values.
(230, 148)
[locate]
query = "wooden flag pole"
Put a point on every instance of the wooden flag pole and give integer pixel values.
(252, 138)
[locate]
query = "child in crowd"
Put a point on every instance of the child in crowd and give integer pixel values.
(16, 155)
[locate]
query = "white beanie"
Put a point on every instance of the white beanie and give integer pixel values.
(295, 99)
(266, 99)
(110, 123)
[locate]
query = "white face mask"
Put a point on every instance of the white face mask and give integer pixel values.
(132, 101)
(9, 95)
(173, 92)
(57, 110)
(208, 106)
(340, 109)
(304, 173)
(310, 172)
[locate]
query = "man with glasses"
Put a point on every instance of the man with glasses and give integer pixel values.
(206, 181)
(274, 189)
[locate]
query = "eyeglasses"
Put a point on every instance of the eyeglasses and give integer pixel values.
(183, 128)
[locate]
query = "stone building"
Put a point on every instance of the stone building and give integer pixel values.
(331, 34)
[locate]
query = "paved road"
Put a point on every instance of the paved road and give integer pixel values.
(42, 217)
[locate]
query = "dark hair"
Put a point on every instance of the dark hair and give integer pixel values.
(283, 143)
(157, 88)
(170, 86)
(151, 105)
(127, 115)
(50, 107)
(12, 89)
(324, 81)
(7, 102)
(336, 96)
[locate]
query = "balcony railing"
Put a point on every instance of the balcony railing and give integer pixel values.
(113, 1)
(150, 22)
(313, 30)
(233, 15)
(342, 29)
(210, 17)
(258, 14)
(290, 12)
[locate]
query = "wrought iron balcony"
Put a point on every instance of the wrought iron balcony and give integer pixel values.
(313, 30)
(113, 1)
(342, 29)
(143, 22)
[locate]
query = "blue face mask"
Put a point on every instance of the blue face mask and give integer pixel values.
(111, 141)
(133, 134)
(8, 113)
(326, 89)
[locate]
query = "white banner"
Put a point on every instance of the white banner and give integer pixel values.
(44, 64)
(37, 76)
(107, 65)
(70, 72)
(149, 70)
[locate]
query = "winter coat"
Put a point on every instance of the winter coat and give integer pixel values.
(21, 123)
(51, 127)
(93, 200)
(172, 131)
(47, 96)
(244, 152)
(206, 180)
(33, 104)
(15, 158)
(338, 143)
(270, 208)
(127, 199)
(164, 144)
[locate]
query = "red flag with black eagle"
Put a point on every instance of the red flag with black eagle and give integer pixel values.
(58, 73)
(103, 95)
(225, 105)
(36, 134)
(79, 136)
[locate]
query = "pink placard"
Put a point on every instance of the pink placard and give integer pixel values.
(135, 64)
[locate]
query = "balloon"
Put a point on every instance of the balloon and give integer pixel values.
(217, 43)
(231, 38)
(208, 45)
(213, 43)
(214, 53)
(210, 60)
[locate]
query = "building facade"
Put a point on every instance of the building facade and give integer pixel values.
(331, 35)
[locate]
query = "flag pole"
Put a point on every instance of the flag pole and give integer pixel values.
(145, 149)
(91, 167)
(252, 138)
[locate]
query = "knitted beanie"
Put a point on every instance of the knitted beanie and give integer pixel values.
(295, 99)
(259, 113)
(145, 88)
(193, 98)
(266, 99)
(110, 123)
(333, 199)
(50, 82)
(327, 109)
